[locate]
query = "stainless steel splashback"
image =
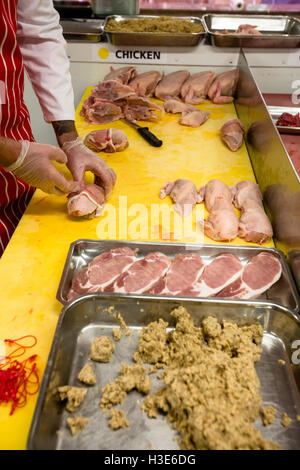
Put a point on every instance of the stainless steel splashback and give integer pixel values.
(272, 166)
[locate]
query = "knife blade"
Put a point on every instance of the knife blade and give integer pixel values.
(145, 133)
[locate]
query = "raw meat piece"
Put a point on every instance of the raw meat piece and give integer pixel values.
(184, 271)
(144, 84)
(102, 271)
(290, 120)
(195, 88)
(87, 203)
(232, 133)
(97, 111)
(183, 193)
(109, 140)
(194, 118)
(219, 273)
(171, 84)
(112, 90)
(245, 190)
(142, 275)
(123, 75)
(258, 275)
(222, 223)
(213, 190)
(254, 224)
(223, 87)
(248, 29)
(176, 106)
(141, 108)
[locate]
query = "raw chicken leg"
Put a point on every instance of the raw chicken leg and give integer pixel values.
(223, 88)
(112, 90)
(222, 223)
(144, 84)
(183, 193)
(254, 224)
(171, 84)
(232, 133)
(195, 88)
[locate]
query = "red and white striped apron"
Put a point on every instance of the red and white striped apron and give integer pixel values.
(14, 120)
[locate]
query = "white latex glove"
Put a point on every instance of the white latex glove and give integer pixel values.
(82, 159)
(34, 165)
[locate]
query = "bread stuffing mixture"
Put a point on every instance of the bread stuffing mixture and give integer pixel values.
(102, 349)
(211, 390)
(117, 419)
(268, 414)
(73, 395)
(87, 375)
(77, 424)
(130, 378)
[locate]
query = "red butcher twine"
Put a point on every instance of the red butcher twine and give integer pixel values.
(18, 379)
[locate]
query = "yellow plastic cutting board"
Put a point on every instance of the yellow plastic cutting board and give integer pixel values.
(31, 267)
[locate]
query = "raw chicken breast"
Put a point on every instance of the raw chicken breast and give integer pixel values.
(176, 106)
(171, 84)
(97, 111)
(254, 224)
(195, 88)
(109, 140)
(222, 223)
(194, 118)
(223, 87)
(144, 84)
(232, 133)
(184, 194)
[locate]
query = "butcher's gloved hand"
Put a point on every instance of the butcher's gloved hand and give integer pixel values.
(82, 159)
(34, 165)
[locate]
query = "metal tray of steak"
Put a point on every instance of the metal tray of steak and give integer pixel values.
(91, 316)
(177, 269)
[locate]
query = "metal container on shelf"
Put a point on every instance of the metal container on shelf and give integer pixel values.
(115, 7)
(276, 31)
(157, 39)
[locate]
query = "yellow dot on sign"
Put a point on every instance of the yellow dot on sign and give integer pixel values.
(103, 53)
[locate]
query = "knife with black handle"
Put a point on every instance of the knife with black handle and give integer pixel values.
(145, 133)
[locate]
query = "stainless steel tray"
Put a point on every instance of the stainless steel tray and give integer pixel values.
(153, 39)
(81, 252)
(276, 112)
(87, 317)
(277, 31)
(83, 30)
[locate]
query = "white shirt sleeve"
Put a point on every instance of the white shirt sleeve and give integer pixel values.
(43, 47)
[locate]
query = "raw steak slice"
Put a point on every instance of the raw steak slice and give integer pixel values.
(260, 273)
(218, 274)
(143, 274)
(102, 271)
(184, 271)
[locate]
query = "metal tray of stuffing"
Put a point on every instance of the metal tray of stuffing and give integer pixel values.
(277, 31)
(90, 316)
(153, 38)
(277, 111)
(81, 252)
